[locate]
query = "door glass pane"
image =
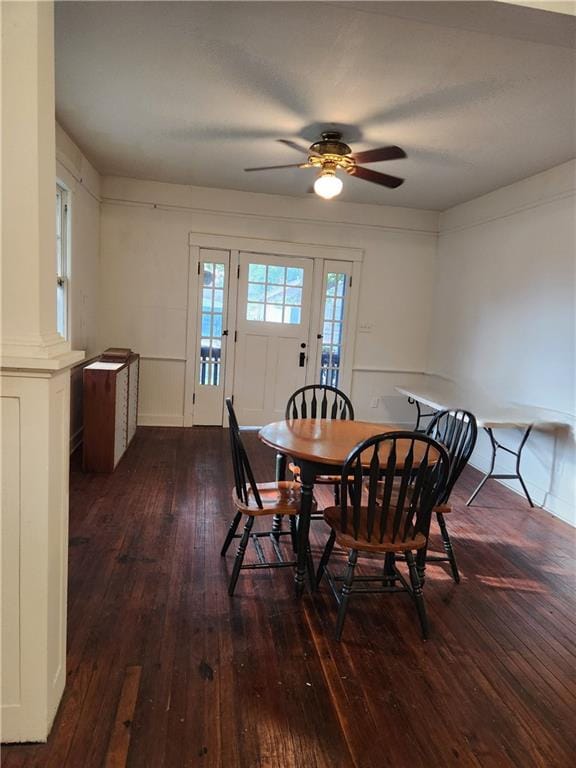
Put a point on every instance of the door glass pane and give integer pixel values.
(212, 322)
(276, 275)
(332, 335)
(294, 296)
(273, 313)
(274, 294)
(295, 276)
(255, 312)
(257, 273)
(256, 292)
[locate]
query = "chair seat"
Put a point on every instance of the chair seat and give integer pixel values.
(320, 479)
(347, 540)
(282, 498)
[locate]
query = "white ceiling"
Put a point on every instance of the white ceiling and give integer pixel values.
(478, 94)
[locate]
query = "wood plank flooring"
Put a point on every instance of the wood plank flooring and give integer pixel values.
(166, 671)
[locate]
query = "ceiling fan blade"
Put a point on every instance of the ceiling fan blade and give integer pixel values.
(378, 155)
(377, 178)
(275, 167)
(295, 146)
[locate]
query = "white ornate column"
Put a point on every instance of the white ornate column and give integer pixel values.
(35, 394)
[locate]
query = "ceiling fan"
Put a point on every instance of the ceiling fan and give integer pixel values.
(331, 154)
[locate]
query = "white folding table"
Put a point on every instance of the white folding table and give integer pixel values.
(438, 393)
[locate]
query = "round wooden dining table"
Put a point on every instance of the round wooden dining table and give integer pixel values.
(320, 447)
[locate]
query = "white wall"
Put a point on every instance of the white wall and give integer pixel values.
(82, 181)
(504, 315)
(144, 261)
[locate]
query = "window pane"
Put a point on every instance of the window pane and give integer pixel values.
(256, 291)
(273, 313)
(206, 299)
(60, 310)
(341, 285)
(331, 284)
(216, 325)
(218, 299)
(208, 275)
(295, 276)
(257, 273)
(219, 275)
(206, 325)
(336, 333)
(327, 333)
(329, 309)
(255, 312)
(294, 296)
(292, 315)
(275, 294)
(276, 275)
(338, 307)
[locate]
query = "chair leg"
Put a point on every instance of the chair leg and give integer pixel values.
(276, 526)
(294, 533)
(345, 594)
(417, 593)
(231, 533)
(388, 574)
(310, 566)
(421, 565)
(240, 554)
(448, 547)
(325, 557)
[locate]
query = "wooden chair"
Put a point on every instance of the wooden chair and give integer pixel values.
(253, 500)
(457, 431)
(319, 401)
(406, 476)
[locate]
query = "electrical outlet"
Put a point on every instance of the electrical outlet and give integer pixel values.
(374, 402)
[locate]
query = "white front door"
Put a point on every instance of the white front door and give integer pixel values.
(211, 336)
(273, 323)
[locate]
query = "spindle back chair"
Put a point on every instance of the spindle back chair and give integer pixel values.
(390, 484)
(254, 499)
(457, 431)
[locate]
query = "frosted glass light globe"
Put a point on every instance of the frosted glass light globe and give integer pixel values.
(328, 186)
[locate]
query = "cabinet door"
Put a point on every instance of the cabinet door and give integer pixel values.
(121, 415)
(133, 398)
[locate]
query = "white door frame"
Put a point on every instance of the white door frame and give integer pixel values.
(234, 244)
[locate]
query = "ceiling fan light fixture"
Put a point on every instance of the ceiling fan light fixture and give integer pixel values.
(328, 185)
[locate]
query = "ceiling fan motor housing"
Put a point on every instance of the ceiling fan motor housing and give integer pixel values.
(331, 153)
(331, 144)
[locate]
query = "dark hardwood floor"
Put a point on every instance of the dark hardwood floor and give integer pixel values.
(165, 670)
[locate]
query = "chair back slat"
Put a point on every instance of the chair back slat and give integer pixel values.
(457, 431)
(319, 401)
(244, 480)
(391, 482)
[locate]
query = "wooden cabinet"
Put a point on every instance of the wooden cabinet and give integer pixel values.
(110, 410)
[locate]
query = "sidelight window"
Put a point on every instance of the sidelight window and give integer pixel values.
(333, 328)
(212, 323)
